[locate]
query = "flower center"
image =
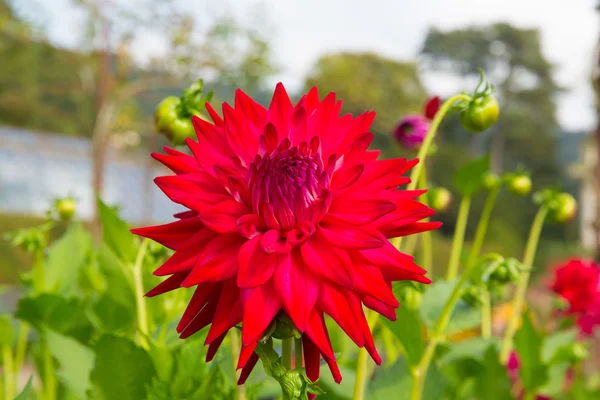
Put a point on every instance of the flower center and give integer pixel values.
(287, 187)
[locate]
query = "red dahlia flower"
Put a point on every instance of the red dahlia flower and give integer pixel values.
(288, 212)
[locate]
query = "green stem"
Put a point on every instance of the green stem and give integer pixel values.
(426, 241)
(21, 346)
(486, 315)
(9, 375)
(142, 313)
(235, 353)
(459, 237)
(519, 299)
(360, 381)
(420, 371)
(49, 375)
(424, 149)
(529, 395)
(298, 353)
(286, 353)
(482, 226)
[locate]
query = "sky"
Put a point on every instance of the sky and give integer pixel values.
(302, 30)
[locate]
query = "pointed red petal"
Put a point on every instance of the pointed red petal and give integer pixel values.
(248, 368)
(432, 107)
(255, 266)
(261, 305)
(171, 283)
(327, 262)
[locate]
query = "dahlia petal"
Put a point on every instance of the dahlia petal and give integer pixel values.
(223, 266)
(385, 174)
(390, 257)
(185, 258)
(171, 235)
(223, 217)
(251, 225)
(248, 369)
(201, 320)
(346, 177)
(312, 360)
(228, 313)
(246, 353)
(214, 115)
(241, 135)
(322, 119)
(280, 112)
(299, 133)
(183, 164)
(327, 262)
(255, 323)
(317, 333)
(171, 283)
(273, 243)
(413, 228)
(214, 346)
(369, 343)
(255, 266)
(370, 209)
(201, 295)
(387, 311)
(297, 289)
(335, 304)
(311, 100)
(348, 236)
(432, 107)
(185, 214)
(250, 109)
(369, 281)
(357, 150)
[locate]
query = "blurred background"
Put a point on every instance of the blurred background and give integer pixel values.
(79, 80)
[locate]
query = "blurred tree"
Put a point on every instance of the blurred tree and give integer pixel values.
(367, 81)
(512, 58)
(527, 129)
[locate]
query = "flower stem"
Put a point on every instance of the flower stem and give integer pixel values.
(298, 353)
(142, 313)
(38, 271)
(459, 237)
(519, 299)
(420, 371)
(49, 375)
(360, 381)
(486, 315)
(482, 226)
(235, 353)
(424, 149)
(21, 346)
(286, 353)
(9, 375)
(426, 242)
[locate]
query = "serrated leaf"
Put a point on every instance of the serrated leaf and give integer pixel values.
(113, 316)
(407, 328)
(76, 362)
(65, 316)
(122, 370)
(66, 257)
(435, 297)
(469, 177)
(492, 382)
(27, 392)
(116, 234)
(528, 345)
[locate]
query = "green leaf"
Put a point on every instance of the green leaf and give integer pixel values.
(395, 383)
(122, 369)
(76, 362)
(556, 380)
(57, 313)
(6, 331)
(113, 316)
(555, 342)
(27, 392)
(343, 391)
(116, 234)
(474, 348)
(119, 280)
(528, 345)
(407, 328)
(493, 381)
(66, 257)
(435, 297)
(469, 177)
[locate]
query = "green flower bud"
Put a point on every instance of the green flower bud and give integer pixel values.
(520, 185)
(480, 114)
(410, 297)
(66, 208)
(440, 199)
(293, 385)
(472, 295)
(490, 181)
(284, 328)
(563, 208)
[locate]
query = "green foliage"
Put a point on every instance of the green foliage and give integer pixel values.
(469, 178)
(122, 369)
(27, 392)
(492, 382)
(407, 328)
(115, 233)
(435, 297)
(528, 345)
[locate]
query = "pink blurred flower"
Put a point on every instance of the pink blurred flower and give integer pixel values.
(412, 129)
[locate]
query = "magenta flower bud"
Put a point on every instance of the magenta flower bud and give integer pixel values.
(411, 131)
